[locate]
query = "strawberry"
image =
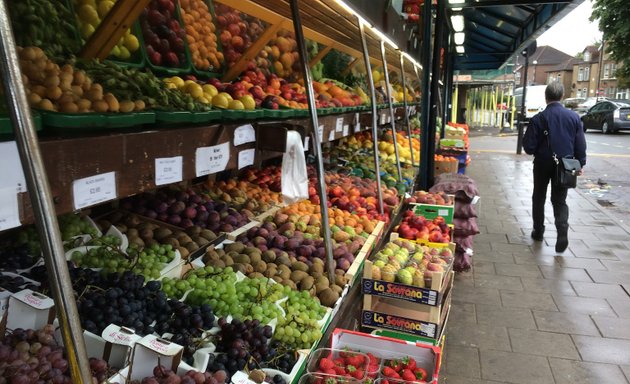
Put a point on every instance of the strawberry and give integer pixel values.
(346, 352)
(396, 365)
(356, 360)
(340, 371)
(356, 373)
(339, 362)
(372, 370)
(326, 363)
(329, 372)
(409, 363)
(390, 372)
(420, 373)
(373, 359)
(408, 375)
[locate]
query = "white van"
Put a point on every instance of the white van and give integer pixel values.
(535, 100)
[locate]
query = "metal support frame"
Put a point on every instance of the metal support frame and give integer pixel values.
(435, 87)
(448, 82)
(388, 92)
(427, 19)
(405, 105)
(43, 206)
(312, 108)
(370, 80)
(521, 119)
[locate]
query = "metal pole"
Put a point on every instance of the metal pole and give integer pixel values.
(435, 88)
(317, 147)
(407, 124)
(425, 161)
(599, 71)
(521, 119)
(391, 109)
(370, 80)
(43, 206)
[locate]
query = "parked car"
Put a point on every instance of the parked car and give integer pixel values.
(572, 103)
(588, 104)
(608, 116)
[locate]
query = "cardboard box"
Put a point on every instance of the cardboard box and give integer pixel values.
(432, 296)
(147, 353)
(114, 345)
(404, 316)
(441, 167)
(30, 310)
(438, 341)
(427, 357)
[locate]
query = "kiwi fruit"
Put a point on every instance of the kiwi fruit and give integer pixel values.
(297, 276)
(317, 268)
(269, 256)
(340, 280)
(237, 267)
(260, 266)
(336, 288)
(173, 242)
(191, 246)
(183, 252)
(208, 234)
(255, 258)
(236, 247)
(328, 297)
(278, 279)
(162, 233)
(307, 283)
(251, 250)
(284, 260)
(137, 241)
(132, 232)
(238, 258)
(255, 275)
(228, 260)
(194, 230)
(300, 266)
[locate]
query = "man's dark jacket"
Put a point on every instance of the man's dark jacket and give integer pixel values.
(567, 134)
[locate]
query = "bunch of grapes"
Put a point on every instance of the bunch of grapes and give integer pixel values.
(147, 262)
(300, 327)
(14, 257)
(72, 225)
(252, 299)
(29, 357)
(187, 324)
(162, 375)
(243, 343)
(15, 283)
(281, 357)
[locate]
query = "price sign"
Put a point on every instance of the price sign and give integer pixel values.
(246, 158)
(320, 133)
(11, 174)
(94, 189)
(339, 124)
(346, 130)
(168, 170)
(9, 210)
(244, 134)
(307, 140)
(212, 159)
(357, 123)
(331, 136)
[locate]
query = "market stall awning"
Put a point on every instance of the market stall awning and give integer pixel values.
(495, 30)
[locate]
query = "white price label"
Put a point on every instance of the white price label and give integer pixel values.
(209, 160)
(383, 117)
(331, 136)
(94, 189)
(9, 210)
(339, 124)
(244, 134)
(307, 140)
(168, 170)
(320, 133)
(11, 173)
(346, 130)
(246, 158)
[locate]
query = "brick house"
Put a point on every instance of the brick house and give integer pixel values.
(544, 59)
(563, 73)
(586, 72)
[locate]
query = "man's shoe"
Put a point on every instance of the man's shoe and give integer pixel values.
(562, 243)
(537, 235)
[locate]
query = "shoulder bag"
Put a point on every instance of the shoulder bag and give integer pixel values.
(567, 168)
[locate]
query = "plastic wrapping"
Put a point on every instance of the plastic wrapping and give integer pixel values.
(294, 174)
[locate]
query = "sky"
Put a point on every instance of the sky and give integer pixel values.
(573, 32)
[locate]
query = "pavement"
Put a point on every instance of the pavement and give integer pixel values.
(525, 314)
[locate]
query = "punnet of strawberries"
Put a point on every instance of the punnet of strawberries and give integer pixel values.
(406, 369)
(345, 363)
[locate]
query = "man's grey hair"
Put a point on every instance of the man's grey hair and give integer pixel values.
(554, 91)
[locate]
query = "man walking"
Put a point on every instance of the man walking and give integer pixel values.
(566, 137)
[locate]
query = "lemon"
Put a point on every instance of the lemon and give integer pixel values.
(131, 43)
(91, 3)
(170, 85)
(203, 99)
(210, 90)
(236, 104)
(124, 53)
(88, 14)
(227, 96)
(248, 102)
(115, 51)
(220, 101)
(104, 7)
(178, 81)
(195, 90)
(87, 30)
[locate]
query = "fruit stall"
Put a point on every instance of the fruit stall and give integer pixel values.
(215, 191)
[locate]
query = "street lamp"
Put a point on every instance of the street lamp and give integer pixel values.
(534, 62)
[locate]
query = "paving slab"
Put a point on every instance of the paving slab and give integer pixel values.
(505, 317)
(541, 343)
(580, 372)
(538, 301)
(583, 305)
(514, 367)
(603, 350)
(569, 323)
(462, 361)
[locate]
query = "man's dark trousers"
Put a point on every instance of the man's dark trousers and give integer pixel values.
(544, 172)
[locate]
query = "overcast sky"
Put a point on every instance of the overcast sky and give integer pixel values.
(574, 32)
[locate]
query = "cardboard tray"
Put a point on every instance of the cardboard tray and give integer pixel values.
(406, 317)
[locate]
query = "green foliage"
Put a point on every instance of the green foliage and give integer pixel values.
(614, 22)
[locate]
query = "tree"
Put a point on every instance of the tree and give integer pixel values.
(614, 22)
